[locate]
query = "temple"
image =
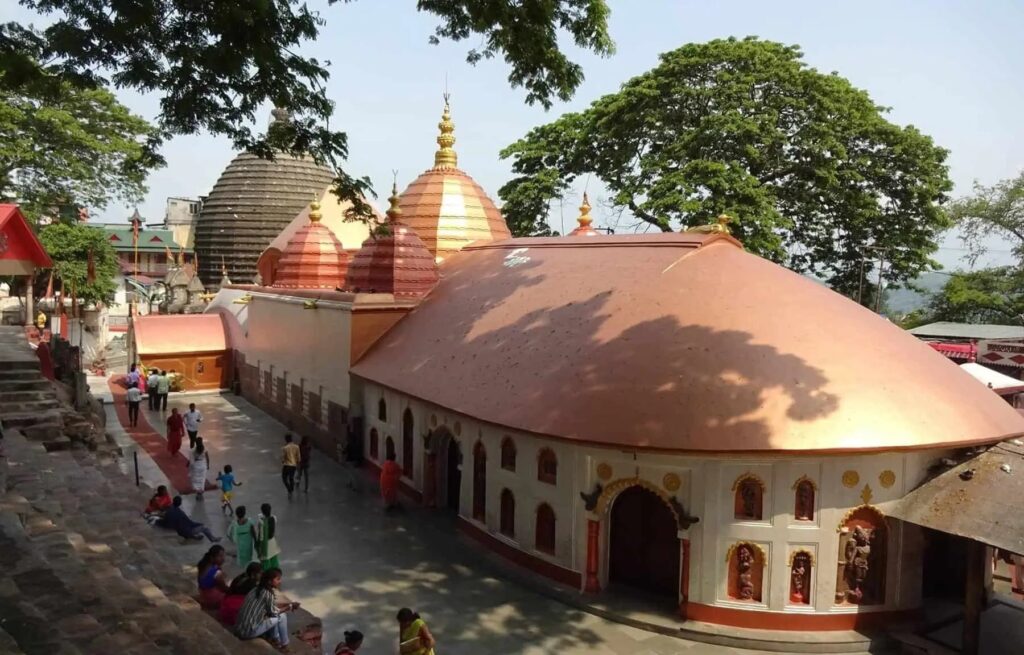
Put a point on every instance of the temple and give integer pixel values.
(661, 412)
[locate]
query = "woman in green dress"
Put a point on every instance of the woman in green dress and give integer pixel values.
(414, 637)
(242, 533)
(267, 547)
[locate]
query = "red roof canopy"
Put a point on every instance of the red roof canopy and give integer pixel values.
(20, 250)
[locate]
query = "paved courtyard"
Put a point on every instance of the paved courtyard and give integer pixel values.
(354, 567)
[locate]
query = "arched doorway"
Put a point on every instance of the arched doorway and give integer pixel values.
(644, 550)
(453, 475)
(479, 482)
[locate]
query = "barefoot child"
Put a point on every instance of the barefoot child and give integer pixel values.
(227, 485)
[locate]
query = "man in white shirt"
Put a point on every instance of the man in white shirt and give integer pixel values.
(193, 418)
(151, 387)
(134, 397)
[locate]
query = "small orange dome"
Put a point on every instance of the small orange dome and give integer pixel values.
(585, 229)
(395, 261)
(313, 258)
(445, 206)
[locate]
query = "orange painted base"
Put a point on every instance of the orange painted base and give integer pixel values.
(791, 621)
(524, 559)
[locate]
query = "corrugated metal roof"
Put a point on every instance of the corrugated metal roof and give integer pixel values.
(978, 499)
(149, 240)
(969, 331)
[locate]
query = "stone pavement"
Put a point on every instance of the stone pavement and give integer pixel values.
(354, 567)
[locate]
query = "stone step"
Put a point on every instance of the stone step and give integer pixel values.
(20, 364)
(27, 395)
(28, 417)
(37, 383)
(27, 406)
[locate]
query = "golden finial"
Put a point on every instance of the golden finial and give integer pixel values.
(394, 212)
(721, 226)
(585, 220)
(314, 211)
(445, 156)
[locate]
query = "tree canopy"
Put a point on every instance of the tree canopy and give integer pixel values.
(215, 65)
(806, 164)
(69, 246)
(997, 211)
(63, 147)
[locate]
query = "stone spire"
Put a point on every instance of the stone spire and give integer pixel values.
(445, 156)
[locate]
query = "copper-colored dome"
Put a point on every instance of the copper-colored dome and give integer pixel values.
(395, 261)
(313, 258)
(680, 342)
(446, 207)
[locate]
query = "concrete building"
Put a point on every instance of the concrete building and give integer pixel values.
(180, 219)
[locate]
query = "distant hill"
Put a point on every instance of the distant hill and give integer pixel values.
(904, 301)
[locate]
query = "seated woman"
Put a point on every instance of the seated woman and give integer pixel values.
(262, 615)
(210, 578)
(157, 505)
(239, 589)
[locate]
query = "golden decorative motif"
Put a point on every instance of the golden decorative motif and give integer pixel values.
(613, 489)
(394, 211)
(753, 546)
(457, 429)
(604, 471)
(748, 476)
(865, 494)
(804, 478)
(720, 226)
(445, 156)
(792, 556)
(850, 479)
(584, 228)
(852, 510)
(314, 212)
(671, 482)
(886, 478)
(433, 420)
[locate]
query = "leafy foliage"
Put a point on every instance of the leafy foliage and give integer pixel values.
(69, 245)
(64, 147)
(805, 163)
(991, 295)
(997, 210)
(216, 64)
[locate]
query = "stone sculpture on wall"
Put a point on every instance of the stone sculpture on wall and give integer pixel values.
(861, 573)
(857, 556)
(745, 562)
(749, 498)
(800, 578)
(746, 571)
(804, 510)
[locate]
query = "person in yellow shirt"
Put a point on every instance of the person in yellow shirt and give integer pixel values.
(290, 456)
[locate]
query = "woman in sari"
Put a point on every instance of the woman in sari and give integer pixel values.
(175, 431)
(198, 465)
(266, 531)
(390, 474)
(242, 533)
(413, 636)
(210, 578)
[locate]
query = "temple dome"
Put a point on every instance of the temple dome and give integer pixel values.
(252, 201)
(313, 258)
(445, 206)
(396, 261)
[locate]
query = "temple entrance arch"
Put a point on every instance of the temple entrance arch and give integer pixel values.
(643, 548)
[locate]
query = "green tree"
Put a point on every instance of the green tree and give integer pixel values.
(991, 295)
(69, 246)
(63, 147)
(995, 211)
(804, 162)
(216, 64)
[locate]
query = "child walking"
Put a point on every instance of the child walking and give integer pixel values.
(227, 486)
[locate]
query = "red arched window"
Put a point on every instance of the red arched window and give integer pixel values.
(508, 513)
(407, 443)
(389, 448)
(479, 482)
(804, 501)
(749, 501)
(374, 452)
(508, 454)
(547, 466)
(382, 410)
(544, 537)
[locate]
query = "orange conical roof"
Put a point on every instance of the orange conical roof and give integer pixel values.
(445, 206)
(585, 229)
(313, 258)
(395, 261)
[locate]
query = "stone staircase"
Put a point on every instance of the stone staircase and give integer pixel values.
(27, 399)
(84, 574)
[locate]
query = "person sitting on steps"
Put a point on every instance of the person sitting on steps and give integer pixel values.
(176, 519)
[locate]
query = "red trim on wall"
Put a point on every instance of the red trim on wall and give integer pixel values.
(522, 558)
(759, 620)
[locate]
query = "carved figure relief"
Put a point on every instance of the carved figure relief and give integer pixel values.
(800, 578)
(749, 499)
(861, 573)
(746, 571)
(804, 510)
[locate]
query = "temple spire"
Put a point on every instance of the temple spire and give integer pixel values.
(445, 156)
(585, 220)
(314, 211)
(394, 212)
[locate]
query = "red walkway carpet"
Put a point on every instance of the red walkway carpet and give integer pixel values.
(175, 467)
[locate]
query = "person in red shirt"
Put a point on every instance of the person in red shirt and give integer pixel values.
(390, 474)
(157, 505)
(175, 431)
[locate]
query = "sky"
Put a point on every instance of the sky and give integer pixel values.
(950, 68)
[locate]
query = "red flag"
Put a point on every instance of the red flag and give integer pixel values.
(90, 269)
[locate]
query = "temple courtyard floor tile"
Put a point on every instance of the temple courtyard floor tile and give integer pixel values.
(354, 566)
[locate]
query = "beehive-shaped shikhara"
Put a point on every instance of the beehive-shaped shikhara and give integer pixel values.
(252, 201)
(445, 206)
(313, 258)
(394, 261)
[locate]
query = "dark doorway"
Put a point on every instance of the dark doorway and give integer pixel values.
(644, 552)
(479, 482)
(454, 475)
(944, 573)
